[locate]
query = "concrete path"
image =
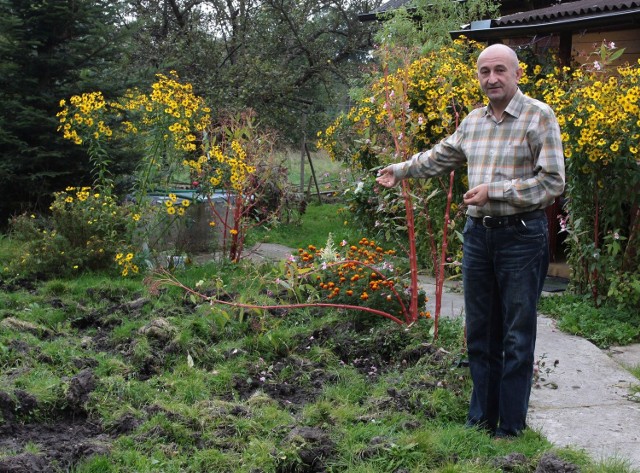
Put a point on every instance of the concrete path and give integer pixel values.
(582, 398)
(585, 400)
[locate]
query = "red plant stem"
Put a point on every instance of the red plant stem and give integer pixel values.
(402, 153)
(443, 256)
(432, 240)
(445, 243)
(169, 280)
(596, 231)
(237, 240)
(236, 247)
(413, 258)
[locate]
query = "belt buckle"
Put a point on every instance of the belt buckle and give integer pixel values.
(485, 221)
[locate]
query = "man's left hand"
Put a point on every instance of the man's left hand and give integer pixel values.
(477, 196)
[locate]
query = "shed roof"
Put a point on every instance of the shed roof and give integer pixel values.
(563, 17)
(570, 10)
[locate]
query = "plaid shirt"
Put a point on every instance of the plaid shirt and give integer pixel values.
(520, 157)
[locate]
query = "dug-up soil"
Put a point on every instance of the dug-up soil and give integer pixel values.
(61, 439)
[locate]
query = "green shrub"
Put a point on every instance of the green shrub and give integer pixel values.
(85, 231)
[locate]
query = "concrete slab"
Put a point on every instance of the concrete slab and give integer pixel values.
(452, 304)
(268, 252)
(584, 401)
(628, 356)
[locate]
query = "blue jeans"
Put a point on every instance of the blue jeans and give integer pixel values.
(503, 274)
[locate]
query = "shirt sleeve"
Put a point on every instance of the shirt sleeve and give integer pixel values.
(548, 180)
(443, 157)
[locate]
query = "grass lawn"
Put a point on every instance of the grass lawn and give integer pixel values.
(318, 221)
(105, 374)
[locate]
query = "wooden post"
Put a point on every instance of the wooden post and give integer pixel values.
(302, 149)
(313, 173)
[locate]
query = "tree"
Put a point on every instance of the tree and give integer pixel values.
(48, 51)
(426, 25)
(278, 57)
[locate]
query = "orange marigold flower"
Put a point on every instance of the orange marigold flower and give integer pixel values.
(349, 292)
(364, 296)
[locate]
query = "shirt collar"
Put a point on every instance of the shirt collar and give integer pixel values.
(515, 105)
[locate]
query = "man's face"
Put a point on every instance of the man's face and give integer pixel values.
(498, 73)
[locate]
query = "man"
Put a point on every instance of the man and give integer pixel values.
(515, 164)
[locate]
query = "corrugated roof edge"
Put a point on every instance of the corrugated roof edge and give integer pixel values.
(567, 10)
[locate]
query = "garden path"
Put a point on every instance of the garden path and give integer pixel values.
(582, 401)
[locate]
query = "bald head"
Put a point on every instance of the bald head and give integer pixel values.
(500, 50)
(499, 73)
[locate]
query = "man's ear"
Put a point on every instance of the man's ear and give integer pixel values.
(519, 73)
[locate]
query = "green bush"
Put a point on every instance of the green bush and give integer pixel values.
(86, 230)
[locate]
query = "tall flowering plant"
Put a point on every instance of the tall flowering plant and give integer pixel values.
(597, 108)
(169, 123)
(233, 153)
(598, 111)
(408, 110)
(164, 125)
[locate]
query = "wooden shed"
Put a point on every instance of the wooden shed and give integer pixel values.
(573, 28)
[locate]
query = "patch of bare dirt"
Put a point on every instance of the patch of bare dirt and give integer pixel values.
(58, 443)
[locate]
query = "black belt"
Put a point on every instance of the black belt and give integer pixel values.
(507, 220)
